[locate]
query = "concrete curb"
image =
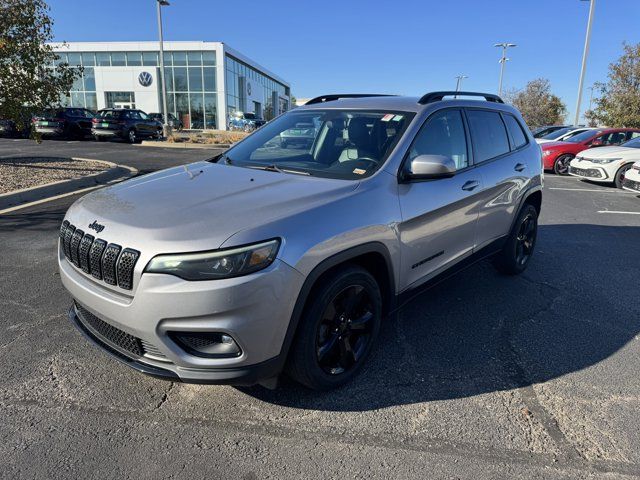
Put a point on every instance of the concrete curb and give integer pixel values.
(115, 173)
(210, 146)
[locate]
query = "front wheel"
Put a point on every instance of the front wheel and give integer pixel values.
(620, 175)
(131, 136)
(337, 330)
(514, 257)
(561, 165)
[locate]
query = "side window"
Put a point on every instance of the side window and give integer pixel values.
(632, 135)
(515, 130)
(143, 115)
(488, 134)
(443, 134)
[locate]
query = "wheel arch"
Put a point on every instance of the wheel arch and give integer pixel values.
(373, 257)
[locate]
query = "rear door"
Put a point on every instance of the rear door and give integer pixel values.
(501, 153)
(438, 216)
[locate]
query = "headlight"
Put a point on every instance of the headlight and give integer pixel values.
(602, 161)
(216, 264)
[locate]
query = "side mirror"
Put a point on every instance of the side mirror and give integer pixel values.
(425, 167)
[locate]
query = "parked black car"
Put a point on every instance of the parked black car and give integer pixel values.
(8, 128)
(127, 124)
(174, 123)
(67, 122)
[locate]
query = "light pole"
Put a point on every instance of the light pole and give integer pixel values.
(503, 61)
(165, 125)
(459, 79)
(585, 54)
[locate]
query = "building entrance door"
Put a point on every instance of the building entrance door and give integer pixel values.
(120, 99)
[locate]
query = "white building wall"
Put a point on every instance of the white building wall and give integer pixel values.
(125, 79)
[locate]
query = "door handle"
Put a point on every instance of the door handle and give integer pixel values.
(519, 167)
(470, 185)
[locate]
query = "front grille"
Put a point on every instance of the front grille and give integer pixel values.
(94, 256)
(586, 172)
(115, 337)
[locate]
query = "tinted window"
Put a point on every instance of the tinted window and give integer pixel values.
(515, 130)
(581, 137)
(443, 134)
(488, 133)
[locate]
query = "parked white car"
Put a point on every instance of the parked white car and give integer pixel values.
(606, 164)
(632, 179)
(562, 134)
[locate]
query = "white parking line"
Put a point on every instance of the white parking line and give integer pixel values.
(587, 190)
(621, 213)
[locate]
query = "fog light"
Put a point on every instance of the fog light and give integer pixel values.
(207, 344)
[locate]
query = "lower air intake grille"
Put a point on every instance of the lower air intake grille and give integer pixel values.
(110, 334)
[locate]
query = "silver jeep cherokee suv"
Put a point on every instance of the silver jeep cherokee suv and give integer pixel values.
(267, 260)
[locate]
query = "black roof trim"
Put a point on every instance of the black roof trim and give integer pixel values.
(437, 96)
(337, 96)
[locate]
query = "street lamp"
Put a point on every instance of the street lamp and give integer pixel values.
(585, 54)
(165, 125)
(459, 82)
(503, 61)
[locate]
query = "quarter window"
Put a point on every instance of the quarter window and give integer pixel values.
(488, 134)
(443, 134)
(515, 130)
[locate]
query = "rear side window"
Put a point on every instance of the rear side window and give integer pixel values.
(515, 130)
(488, 134)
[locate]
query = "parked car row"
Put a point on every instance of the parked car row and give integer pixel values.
(573, 155)
(79, 123)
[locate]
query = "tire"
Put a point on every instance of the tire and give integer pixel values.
(328, 350)
(561, 165)
(619, 178)
(98, 138)
(159, 135)
(131, 136)
(514, 257)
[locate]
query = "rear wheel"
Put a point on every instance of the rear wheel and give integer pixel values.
(337, 330)
(561, 165)
(620, 175)
(518, 250)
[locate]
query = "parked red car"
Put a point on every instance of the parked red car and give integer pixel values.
(557, 155)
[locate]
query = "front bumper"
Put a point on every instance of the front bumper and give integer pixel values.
(255, 310)
(632, 181)
(589, 172)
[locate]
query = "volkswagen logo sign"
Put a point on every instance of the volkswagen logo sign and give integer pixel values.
(145, 79)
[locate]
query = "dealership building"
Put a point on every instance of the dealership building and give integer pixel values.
(206, 81)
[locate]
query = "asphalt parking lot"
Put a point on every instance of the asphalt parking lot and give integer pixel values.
(485, 376)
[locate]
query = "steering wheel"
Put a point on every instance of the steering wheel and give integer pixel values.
(373, 161)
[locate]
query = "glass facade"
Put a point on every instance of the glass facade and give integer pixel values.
(235, 72)
(191, 84)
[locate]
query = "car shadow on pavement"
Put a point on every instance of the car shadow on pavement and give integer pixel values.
(480, 332)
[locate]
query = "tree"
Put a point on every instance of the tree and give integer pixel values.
(31, 77)
(537, 104)
(619, 102)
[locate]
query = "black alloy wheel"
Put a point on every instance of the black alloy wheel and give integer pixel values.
(345, 330)
(526, 239)
(561, 166)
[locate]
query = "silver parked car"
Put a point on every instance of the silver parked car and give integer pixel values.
(268, 260)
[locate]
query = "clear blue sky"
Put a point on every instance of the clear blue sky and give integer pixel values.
(405, 47)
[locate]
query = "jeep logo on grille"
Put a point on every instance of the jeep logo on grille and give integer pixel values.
(96, 226)
(145, 79)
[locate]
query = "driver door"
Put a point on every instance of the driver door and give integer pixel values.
(439, 216)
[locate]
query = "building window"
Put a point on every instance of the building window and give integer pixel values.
(149, 59)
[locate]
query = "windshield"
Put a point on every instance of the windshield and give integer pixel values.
(634, 143)
(584, 136)
(344, 144)
(557, 133)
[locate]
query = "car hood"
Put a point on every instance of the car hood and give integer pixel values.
(198, 206)
(608, 152)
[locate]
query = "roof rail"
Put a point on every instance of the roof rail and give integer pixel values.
(437, 96)
(336, 96)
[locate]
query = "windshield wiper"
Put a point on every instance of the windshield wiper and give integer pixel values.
(274, 168)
